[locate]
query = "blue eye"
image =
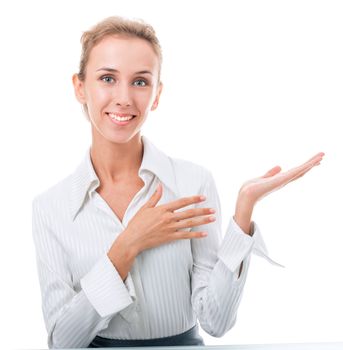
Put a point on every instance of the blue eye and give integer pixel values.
(106, 77)
(109, 79)
(145, 83)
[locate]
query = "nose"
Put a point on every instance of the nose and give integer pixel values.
(123, 95)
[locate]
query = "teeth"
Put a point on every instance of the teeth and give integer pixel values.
(121, 119)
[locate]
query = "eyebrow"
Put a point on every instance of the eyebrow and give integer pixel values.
(108, 69)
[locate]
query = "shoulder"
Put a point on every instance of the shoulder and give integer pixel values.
(55, 196)
(189, 168)
(190, 176)
(181, 175)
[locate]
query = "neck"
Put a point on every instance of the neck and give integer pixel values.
(116, 162)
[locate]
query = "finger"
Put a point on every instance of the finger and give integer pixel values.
(272, 171)
(153, 200)
(189, 234)
(193, 222)
(316, 158)
(284, 178)
(308, 165)
(290, 174)
(182, 202)
(302, 173)
(190, 213)
(303, 168)
(319, 155)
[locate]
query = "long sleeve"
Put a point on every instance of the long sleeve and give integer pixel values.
(73, 318)
(216, 288)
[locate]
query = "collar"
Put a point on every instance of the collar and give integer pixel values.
(84, 179)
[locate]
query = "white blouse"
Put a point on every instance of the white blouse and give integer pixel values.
(169, 287)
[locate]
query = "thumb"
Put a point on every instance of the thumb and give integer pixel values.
(153, 200)
(272, 171)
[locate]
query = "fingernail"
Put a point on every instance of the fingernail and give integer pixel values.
(202, 198)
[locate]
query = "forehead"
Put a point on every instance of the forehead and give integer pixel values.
(123, 53)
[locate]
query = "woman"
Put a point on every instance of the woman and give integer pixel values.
(128, 250)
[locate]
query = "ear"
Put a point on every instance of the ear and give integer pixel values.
(78, 89)
(158, 94)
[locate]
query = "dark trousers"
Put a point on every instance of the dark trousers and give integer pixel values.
(190, 337)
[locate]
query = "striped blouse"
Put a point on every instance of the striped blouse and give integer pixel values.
(168, 289)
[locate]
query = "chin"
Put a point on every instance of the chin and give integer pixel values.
(123, 138)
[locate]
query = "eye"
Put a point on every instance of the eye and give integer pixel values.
(107, 79)
(142, 81)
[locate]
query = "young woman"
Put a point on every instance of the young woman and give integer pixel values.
(129, 252)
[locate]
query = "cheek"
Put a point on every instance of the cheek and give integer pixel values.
(144, 98)
(97, 96)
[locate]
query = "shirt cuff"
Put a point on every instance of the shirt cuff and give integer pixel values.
(105, 289)
(130, 312)
(259, 247)
(237, 245)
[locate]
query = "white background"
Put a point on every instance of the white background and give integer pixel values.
(247, 85)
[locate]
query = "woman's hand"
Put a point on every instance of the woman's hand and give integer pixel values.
(254, 190)
(155, 225)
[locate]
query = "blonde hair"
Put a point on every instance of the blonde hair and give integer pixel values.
(115, 25)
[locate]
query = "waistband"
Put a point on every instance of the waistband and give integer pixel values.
(190, 337)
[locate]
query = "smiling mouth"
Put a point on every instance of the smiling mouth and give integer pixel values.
(121, 118)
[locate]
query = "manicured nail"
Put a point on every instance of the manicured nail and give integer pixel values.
(202, 198)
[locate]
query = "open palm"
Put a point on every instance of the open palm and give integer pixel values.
(273, 179)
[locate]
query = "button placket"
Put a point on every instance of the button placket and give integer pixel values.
(141, 297)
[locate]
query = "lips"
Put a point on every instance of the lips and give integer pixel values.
(121, 120)
(112, 114)
(120, 116)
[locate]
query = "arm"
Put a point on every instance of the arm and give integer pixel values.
(254, 190)
(73, 318)
(216, 284)
(242, 217)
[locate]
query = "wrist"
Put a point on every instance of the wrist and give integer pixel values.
(122, 256)
(126, 248)
(243, 213)
(128, 244)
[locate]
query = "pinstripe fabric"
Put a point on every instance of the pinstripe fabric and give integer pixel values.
(169, 287)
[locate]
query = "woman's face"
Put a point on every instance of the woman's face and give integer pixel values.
(121, 81)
